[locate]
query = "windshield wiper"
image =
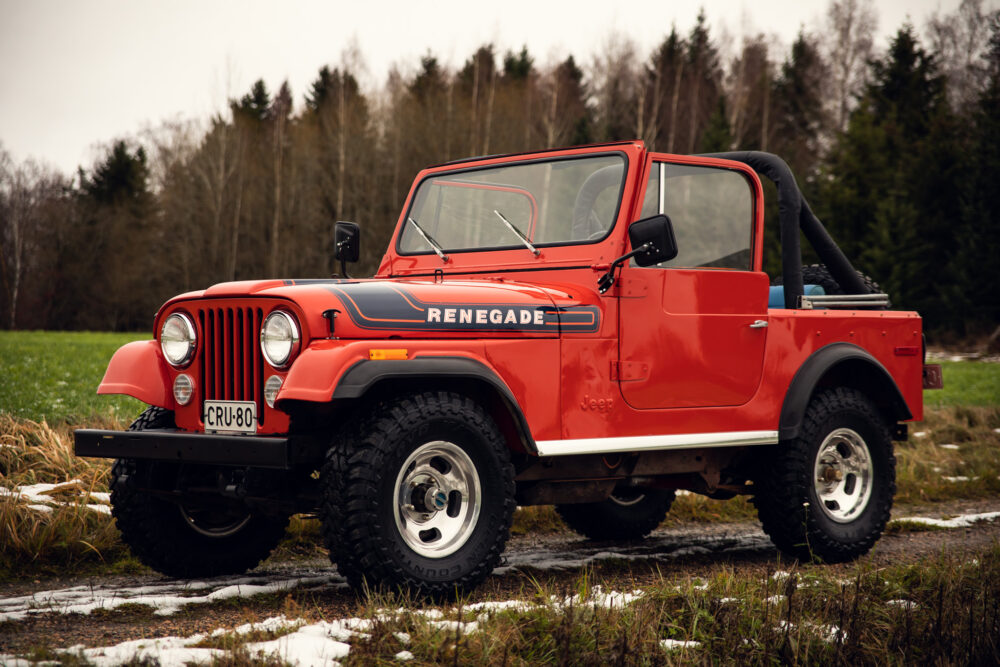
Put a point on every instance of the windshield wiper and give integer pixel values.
(438, 250)
(522, 237)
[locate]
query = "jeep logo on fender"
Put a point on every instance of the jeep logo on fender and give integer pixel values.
(387, 306)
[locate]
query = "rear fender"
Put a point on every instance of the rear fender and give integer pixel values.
(845, 365)
(138, 369)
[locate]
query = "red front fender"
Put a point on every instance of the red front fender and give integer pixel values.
(138, 370)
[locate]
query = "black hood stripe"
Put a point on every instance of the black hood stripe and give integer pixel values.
(381, 306)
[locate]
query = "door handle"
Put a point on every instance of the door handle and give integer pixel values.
(759, 324)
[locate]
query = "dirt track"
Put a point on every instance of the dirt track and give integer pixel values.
(36, 611)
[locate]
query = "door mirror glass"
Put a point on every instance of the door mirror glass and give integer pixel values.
(656, 236)
(347, 241)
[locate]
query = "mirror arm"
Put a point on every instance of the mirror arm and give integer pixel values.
(608, 279)
(343, 262)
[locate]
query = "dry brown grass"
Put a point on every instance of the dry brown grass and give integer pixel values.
(923, 465)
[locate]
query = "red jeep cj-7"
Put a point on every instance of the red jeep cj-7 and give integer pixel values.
(585, 327)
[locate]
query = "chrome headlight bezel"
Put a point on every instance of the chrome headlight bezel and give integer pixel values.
(178, 335)
(287, 336)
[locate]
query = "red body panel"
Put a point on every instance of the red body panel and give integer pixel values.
(665, 351)
(138, 369)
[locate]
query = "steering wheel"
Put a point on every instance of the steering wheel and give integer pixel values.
(586, 224)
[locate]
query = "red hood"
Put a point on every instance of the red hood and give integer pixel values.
(421, 309)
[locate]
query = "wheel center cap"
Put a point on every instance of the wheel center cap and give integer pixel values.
(435, 499)
(832, 474)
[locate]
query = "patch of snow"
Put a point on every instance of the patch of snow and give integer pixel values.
(920, 434)
(780, 574)
(949, 446)
(959, 478)
(166, 597)
(272, 624)
(40, 496)
(302, 647)
(404, 655)
(674, 644)
(905, 604)
(825, 633)
(775, 599)
(165, 651)
(403, 637)
(728, 600)
(685, 492)
(963, 521)
(996, 430)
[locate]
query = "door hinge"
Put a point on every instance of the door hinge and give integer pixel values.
(629, 371)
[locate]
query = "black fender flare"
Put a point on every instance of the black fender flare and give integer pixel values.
(365, 374)
(845, 364)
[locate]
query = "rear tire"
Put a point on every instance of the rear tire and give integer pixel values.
(185, 539)
(629, 514)
(827, 494)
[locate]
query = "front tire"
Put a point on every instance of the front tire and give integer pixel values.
(827, 494)
(629, 514)
(185, 539)
(424, 499)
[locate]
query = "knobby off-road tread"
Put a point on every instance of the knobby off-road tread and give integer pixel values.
(785, 497)
(819, 274)
(334, 476)
(608, 520)
(364, 525)
(156, 532)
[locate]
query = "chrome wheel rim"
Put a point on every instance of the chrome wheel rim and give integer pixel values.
(437, 499)
(842, 475)
(210, 524)
(626, 497)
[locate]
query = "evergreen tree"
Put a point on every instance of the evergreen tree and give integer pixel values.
(717, 136)
(894, 181)
(979, 253)
(800, 118)
(254, 104)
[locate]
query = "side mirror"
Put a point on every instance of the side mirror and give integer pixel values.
(655, 236)
(652, 242)
(346, 244)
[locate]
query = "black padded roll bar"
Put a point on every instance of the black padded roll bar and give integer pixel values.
(794, 214)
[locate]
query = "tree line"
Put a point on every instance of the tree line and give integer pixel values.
(898, 152)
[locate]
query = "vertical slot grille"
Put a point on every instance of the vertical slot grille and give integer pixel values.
(232, 365)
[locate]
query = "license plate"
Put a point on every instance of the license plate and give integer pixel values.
(230, 417)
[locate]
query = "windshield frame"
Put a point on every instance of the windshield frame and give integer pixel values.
(516, 245)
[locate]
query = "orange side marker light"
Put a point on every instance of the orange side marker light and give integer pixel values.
(387, 355)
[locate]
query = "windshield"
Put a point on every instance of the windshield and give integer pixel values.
(516, 206)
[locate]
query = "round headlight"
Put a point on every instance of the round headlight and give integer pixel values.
(278, 338)
(178, 339)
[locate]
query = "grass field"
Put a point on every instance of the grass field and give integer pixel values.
(53, 375)
(967, 383)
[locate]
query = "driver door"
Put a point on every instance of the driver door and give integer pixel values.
(693, 329)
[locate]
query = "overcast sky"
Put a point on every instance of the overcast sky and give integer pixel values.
(75, 74)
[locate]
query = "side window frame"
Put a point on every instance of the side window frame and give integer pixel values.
(658, 167)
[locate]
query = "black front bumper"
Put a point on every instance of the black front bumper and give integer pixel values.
(231, 450)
